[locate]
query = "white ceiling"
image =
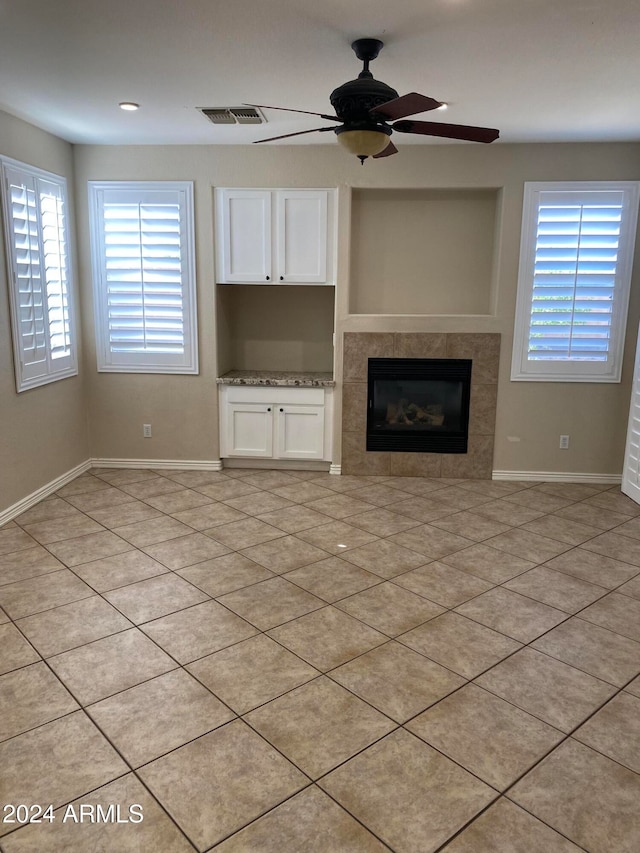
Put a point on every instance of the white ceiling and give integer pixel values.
(539, 70)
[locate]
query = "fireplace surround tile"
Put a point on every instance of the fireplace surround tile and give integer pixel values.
(357, 460)
(354, 405)
(361, 346)
(475, 464)
(482, 409)
(420, 345)
(415, 464)
(484, 351)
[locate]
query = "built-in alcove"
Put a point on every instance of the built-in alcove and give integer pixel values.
(423, 251)
(273, 327)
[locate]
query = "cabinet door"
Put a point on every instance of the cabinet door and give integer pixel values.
(300, 432)
(301, 241)
(249, 430)
(244, 236)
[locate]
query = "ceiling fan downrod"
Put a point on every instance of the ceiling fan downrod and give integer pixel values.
(366, 50)
(354, 100)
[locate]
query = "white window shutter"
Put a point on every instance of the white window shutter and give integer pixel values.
(631, 466)
(40, 286)
(573, 288)
(56, 263)
(27, 271)
(142, 242)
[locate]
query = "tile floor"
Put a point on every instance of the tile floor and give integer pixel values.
(286, 661)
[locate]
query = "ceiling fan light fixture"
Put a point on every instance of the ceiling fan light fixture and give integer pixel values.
(363, 143)
(366, 106)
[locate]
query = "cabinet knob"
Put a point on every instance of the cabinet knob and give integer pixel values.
(267, 278)
(282, 410)
(269, 409)
(281, 278)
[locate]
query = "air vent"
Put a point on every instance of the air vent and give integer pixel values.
(233, 115)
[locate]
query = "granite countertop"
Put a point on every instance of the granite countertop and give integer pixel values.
(303, 379)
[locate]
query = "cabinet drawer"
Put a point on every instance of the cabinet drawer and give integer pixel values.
(276, 394)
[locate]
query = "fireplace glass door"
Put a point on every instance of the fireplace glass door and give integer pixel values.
(418, 405)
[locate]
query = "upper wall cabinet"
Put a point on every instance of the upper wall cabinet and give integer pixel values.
(275, 236)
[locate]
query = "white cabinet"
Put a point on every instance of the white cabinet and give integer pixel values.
(274, 236)
(300, 432)
(301, 236)
(275, 422)
(249, 429)
(243, 228)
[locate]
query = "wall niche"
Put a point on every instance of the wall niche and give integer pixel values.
(423, 251)
(275, 327)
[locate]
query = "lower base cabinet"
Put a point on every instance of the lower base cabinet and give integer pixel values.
(273, 422)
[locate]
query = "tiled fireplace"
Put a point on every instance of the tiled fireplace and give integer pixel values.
(482, 349)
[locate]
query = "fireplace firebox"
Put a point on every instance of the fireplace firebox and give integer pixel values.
(418, 405)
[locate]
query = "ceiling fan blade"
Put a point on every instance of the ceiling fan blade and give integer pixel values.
(449, 131)
(286, 109)
(298, 133)
(406, 105)
(388, 151)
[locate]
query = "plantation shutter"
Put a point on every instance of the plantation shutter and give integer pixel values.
(36, 234)
(575, 274)
(56, 269)
(143, 261)
(574, 277)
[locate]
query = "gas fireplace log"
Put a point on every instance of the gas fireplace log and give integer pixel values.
(407, 413)
(396, 414)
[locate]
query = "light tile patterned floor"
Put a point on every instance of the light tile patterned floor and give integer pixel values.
(286, 661)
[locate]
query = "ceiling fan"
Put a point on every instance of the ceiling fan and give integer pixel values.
(365, 106)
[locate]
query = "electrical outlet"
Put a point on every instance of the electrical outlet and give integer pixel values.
(564, 442)
(146, 430)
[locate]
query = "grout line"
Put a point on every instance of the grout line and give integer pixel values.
(380, 581)
(469, 823)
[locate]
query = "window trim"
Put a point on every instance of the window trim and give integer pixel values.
(144, 362)
(24, 382)
(566, 370)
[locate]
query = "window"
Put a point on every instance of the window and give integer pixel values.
(576, 256)
(40, 285)
(144, 276)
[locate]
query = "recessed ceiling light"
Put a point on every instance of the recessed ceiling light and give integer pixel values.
(442, 106)
(129, 105)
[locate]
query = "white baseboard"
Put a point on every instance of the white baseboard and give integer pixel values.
(160, 464)
(26, 503)
(557, 477)
(23, 505)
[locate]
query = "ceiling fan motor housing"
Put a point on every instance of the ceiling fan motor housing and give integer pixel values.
(353, 101)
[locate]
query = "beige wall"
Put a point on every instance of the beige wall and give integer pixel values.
(405, 251)
(531, 415)
(120, 404)
(183, 409)
(43, 431)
